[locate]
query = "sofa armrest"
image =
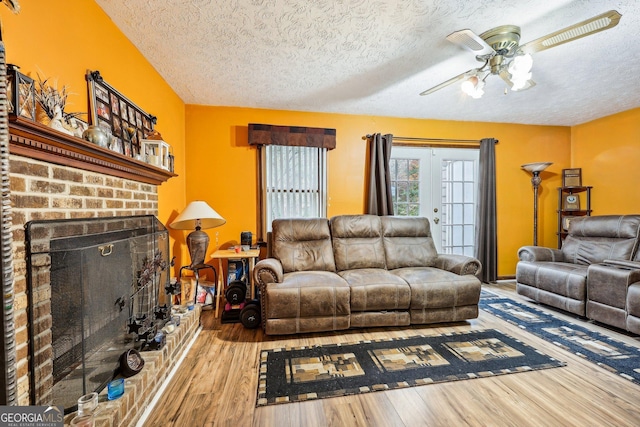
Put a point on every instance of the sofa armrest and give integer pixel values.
(538, 253)
(627, 265)
(268, 270)
(458, 264)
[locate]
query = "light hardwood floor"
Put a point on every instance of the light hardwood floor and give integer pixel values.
(216, 386)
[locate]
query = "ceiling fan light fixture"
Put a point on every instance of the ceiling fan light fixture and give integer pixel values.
(520, 82)
(473, 87)
(521, 65)
(469, 85)
(520, 71)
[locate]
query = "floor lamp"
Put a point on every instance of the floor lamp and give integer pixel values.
(535, 169)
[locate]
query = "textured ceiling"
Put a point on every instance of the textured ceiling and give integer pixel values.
(374, 57)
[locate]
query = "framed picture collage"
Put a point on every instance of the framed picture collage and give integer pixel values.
(127, 122)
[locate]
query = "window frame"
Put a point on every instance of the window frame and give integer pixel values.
(264, 221)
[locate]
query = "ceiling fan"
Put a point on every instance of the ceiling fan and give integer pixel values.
(502, 55)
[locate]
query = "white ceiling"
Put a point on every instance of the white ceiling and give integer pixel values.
(374, 57)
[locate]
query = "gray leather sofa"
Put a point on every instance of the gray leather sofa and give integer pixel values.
(361, 271)
(596, 273)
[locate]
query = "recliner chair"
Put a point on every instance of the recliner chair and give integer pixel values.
(588, 276)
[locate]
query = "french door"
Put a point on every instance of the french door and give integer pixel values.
(440, 184)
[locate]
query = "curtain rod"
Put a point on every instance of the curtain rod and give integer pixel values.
(405, 138)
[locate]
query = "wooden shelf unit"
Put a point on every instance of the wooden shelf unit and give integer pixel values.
(564, 214)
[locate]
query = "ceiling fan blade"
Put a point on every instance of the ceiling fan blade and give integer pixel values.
(470, 40)
(582, 29)
(448, 82)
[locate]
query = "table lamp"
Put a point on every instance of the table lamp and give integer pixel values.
(197, 215)
(535, 169)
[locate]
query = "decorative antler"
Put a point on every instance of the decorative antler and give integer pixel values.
(13, 5)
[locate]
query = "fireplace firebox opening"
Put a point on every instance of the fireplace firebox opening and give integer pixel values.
(96, 289)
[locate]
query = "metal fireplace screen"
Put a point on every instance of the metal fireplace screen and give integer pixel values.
(104, 280)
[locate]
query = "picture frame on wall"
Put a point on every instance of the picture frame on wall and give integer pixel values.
(571, 202)
(156, 152)
(77, 125)
(128, 123)
(572, 177)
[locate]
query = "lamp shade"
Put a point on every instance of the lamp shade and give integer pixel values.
(197, 213)
(536, 167)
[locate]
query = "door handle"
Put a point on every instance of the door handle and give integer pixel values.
(436, 220)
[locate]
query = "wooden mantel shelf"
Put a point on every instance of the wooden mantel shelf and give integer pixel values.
(37, 141)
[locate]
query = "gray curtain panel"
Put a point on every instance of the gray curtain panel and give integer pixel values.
(486, 221)
(379, 197)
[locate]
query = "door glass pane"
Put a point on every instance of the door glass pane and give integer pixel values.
(403, 196)
(414, 170)
(469, 235)
(458, 194)
(414, 192)
(457, 213)
(403, 169)
(457, 171)
(405, 186)
(457, 235)
(469, 213)
(458, 206)
(468, 192)
(469, 171)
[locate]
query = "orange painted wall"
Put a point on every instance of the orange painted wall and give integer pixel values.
(62, 39)
(608, 151)
(214, 162)
(222, 167)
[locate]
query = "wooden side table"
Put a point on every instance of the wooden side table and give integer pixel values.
(196, 272)
(222, 254)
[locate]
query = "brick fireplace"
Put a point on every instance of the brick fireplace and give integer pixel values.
(53, 177)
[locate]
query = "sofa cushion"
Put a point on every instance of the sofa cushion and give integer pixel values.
(357, 242)
(562, 278)
(591, 240)
(594, 250)
(303, 244)
(376, 289)
(408, 242)
(304, 294)
(614, 226)
(376, 319)
(435, 288)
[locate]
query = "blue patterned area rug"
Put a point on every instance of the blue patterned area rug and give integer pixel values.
(608, 353)
(306, 373)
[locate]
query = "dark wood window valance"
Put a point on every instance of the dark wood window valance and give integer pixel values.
(260, 134)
